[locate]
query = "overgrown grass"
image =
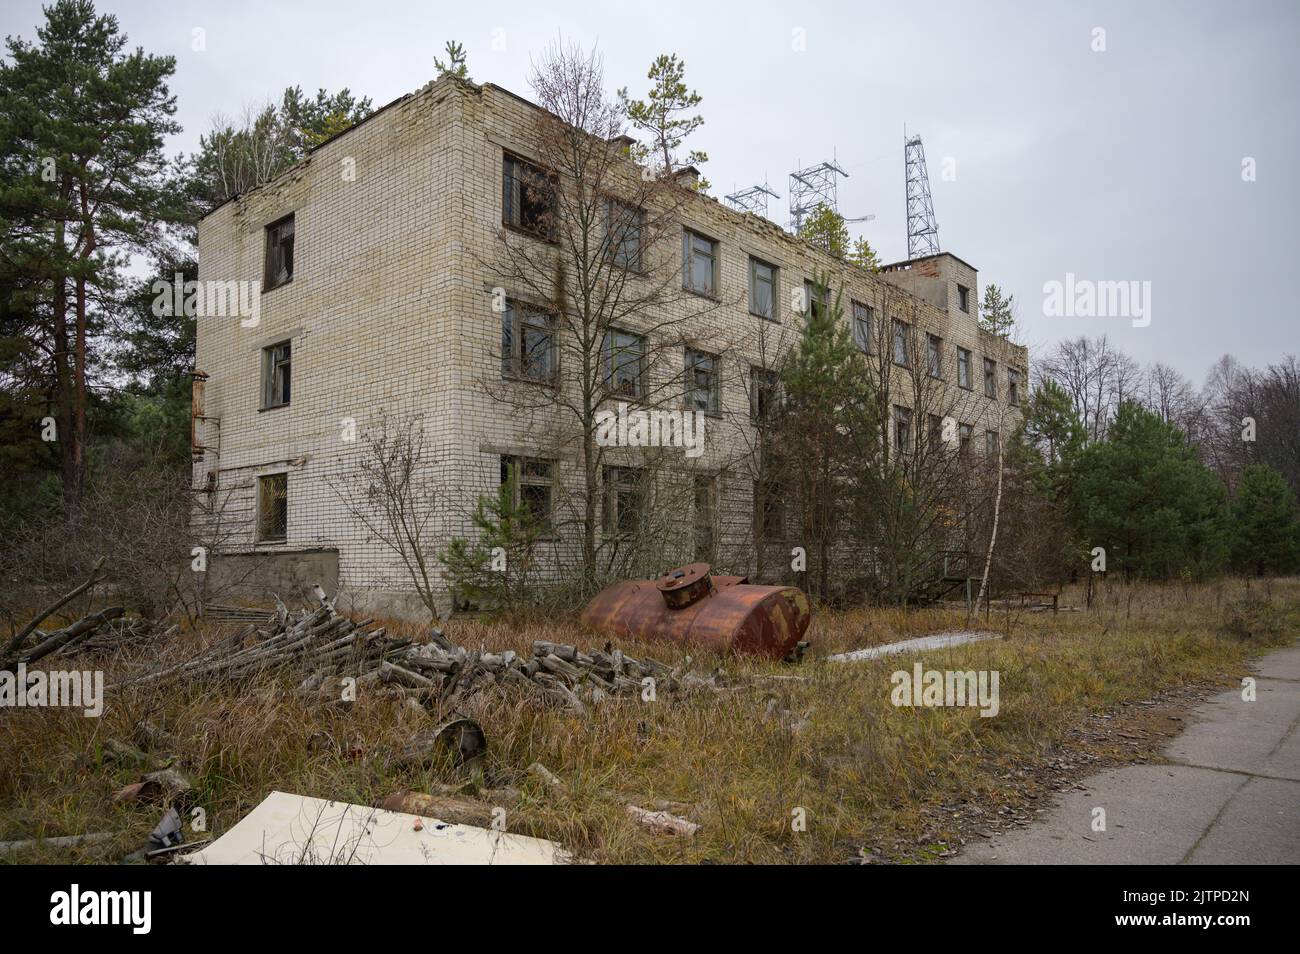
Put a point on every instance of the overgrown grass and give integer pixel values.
(864, 773)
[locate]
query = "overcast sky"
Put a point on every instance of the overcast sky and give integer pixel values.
(1119, 165)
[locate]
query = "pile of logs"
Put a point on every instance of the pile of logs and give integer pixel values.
(555, 671)
(320, 641)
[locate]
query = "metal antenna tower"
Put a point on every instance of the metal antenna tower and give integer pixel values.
(811, 187)
(922, 229)
(753, 199)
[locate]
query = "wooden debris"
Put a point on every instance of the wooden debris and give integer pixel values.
(663, 823)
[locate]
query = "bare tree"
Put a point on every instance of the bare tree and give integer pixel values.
(391, 493)
(1096, 375)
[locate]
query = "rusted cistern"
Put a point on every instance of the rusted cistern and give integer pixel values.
(690, 606)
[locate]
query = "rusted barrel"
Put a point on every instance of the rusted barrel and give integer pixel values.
(694, 608)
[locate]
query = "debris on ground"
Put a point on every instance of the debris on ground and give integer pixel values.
(937, 641)
(663, 823)
(297, 829)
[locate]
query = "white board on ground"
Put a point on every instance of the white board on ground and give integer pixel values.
(290, 829)
(938, 641)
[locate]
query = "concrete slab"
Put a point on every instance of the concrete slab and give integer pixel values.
(1230, 795)
(1154, 814)
(1260, 825)
(296, 829)
(938, 641)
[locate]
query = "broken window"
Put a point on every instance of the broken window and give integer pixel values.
(703, 390)
(528, 197)
(964, 434)
(273, 508)
(623, 226)
(963, 368)
(625, 500)
(1013, 386)
(864, 327)
(699, 263)
(624, 356)
(763, 393)
(279, 254)
(934, 355)
(902, 429)
(534, 482)
(276, 364)
(990, 378)
(816, 299)
(706, 492)
(902, 344)
(527, 343)
(762, 289)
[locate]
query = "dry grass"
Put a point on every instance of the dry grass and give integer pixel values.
(866, 774)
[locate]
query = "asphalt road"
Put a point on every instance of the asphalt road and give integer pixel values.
(1229, 795)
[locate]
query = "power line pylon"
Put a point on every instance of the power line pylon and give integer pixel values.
(811, 187)
(753, 199)
(922, 229)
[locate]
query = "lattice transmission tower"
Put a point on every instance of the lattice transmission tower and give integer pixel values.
(754, 199)
(922, 229)
(812, 186)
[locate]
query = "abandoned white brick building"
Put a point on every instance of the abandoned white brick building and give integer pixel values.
(378, 298)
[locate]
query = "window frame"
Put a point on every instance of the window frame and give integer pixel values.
(774, 295)
(762, 380)
(898, 323)
(545, 525)
(277, 370)
(518, 317)
(866, 322)
(963, 361)
(690, 389)
(903, 417)
(688, 271)
(963, 298)
(990, 378)
(1013, 386)
(508, 211)
(277, 244)
(611, 510)
(934, 355)
(263, 481)
(608, 349)
(615, 250)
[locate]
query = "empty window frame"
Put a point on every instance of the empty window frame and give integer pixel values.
(624, 359)
(864, 327)
(902, 429)
(276, 366)
(934, 355)
(764, 385)
(816, 299)
(963, 368)
(534, 486)
(902, 338)
(527, 197)
(1013, 386)
(623, 228)
(703, 388)
(279, 254)
(625, 499)
(769, 509)
(762, 289)
(990, 378)
(964, 434)
(699, 263)
(527, 343)
(991, 443)
(273, 508)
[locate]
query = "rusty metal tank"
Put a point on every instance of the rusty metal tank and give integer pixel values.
(692, 607)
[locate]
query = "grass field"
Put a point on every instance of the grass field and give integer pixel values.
(867, 778)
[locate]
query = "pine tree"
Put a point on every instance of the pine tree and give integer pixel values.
(456, 65)
(83, 138)
(660, 115)
(825, 229)
(494, 572)
(997, 313)
(1265, 524)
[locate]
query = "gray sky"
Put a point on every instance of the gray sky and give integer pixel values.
(1117, 165)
